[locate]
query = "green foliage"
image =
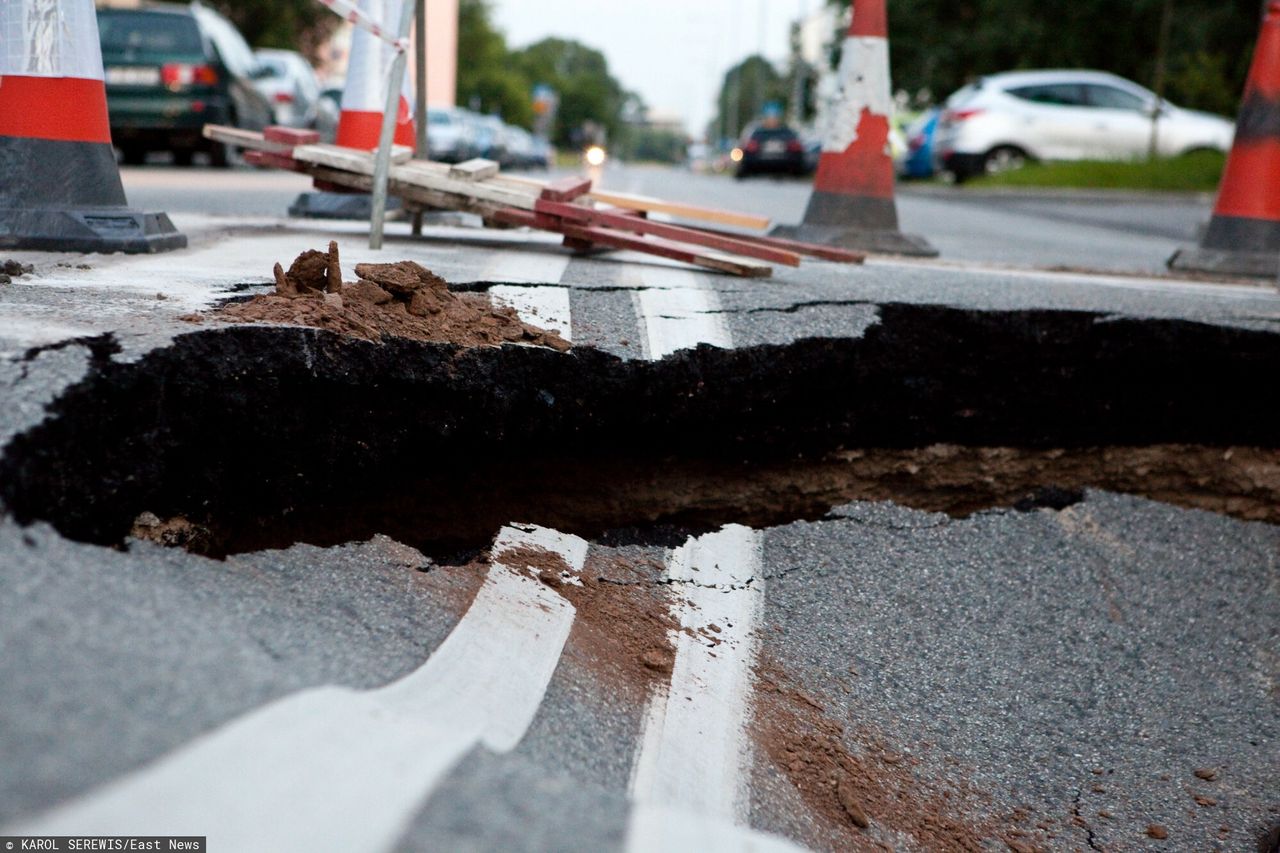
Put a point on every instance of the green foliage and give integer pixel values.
(939, 45)
(1198, 171)
(580, 75)
(744, 91)
(300, 25)
(487, 80)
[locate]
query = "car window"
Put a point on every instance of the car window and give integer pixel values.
(1111, 98)
(1055, 94)
(138, 35)
(231, 46)
(765, 133)
(276, 65)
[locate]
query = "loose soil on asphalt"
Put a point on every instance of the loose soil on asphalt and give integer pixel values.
(403, 300)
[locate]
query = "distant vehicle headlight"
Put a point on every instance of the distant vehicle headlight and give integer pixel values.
(736, 155)
(595, 156)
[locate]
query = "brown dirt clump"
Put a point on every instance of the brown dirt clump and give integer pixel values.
(399, 300)
(176, 532)
(623, 626)
(873, 800)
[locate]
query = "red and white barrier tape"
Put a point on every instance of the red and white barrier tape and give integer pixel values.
(353, 14)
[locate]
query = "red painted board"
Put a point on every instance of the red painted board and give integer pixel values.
(290, 135)
(567, 189)
(747, 246)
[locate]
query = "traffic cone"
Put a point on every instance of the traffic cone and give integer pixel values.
(852, 204)
(60, 188)
(364, 97)
(1243, 237)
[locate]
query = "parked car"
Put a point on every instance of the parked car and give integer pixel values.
(171, 69)
(917, 160)
(770, 148)
(449, 136)
(289, 82)
(329, 109)
(1001, 121)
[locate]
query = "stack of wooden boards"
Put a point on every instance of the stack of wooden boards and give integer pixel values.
(587, 218)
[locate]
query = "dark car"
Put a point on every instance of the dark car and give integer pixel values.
(771, 149)
(172, 69)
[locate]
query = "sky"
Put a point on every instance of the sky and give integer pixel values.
(673, 52)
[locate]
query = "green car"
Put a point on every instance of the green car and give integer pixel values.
(172, 69)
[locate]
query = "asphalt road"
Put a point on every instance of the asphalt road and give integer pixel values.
(1048, 678)
(1111, 231)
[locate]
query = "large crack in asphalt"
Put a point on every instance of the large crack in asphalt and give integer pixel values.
(266, 436)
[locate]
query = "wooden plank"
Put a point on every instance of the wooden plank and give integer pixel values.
(244, 139)
(629, 221)
(813, 250)
(350, 159)
(417, 173)
(477, 169)
(290, 135)
(411, 173)
(408, 192)
(682, 210)
(648, 245)
(566, 189)
(656, 205)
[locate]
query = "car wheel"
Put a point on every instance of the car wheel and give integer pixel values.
(133, 155)
(1006, 158)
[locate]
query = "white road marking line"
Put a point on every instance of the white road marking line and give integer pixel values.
(679, 312)
(511, 266)
(337, 769)
(694, 753)
(544, 307)
(656, 830)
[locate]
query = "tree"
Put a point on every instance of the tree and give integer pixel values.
(938, 46)
(301, 25)
(746, 89)
(580, 75)
(487, 79)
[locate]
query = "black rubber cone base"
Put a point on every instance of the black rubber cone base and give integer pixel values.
(880, 242)
(324, 205)
(1226, 262)
(92, 229)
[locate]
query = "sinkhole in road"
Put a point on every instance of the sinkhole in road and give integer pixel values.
(260, 437)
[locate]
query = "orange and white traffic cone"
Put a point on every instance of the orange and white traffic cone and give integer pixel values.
(852, 204)
(364, 96)
(59, 185)
(1243, 237)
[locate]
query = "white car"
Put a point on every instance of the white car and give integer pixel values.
(1001, 121)
(288, 81)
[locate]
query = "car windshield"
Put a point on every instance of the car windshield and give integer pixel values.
(765, 134)
(142, 35)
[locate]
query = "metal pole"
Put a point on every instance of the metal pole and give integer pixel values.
(421, 150)
(382, 166)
